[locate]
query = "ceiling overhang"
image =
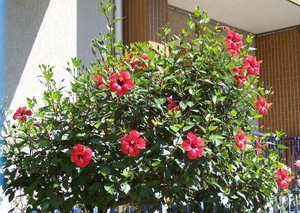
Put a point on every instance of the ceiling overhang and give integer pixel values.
(255, 16)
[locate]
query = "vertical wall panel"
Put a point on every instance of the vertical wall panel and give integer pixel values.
(143, 19)
(280, 69)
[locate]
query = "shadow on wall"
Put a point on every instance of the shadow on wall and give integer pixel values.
(23, 21)
(90, 21)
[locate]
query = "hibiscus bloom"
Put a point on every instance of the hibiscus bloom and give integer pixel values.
(132, 143)
(241, 139)
(99, 81)
(145, 57)
(252, 65)
(234, 42)
(22, 113)
(81, 156)
(297, 163)
(121, 83)
(283, 180)
(171, 104)
(140, 62)
(129, 58)
(262, 105)
(257, 146)
(193, 145)
(239, 76)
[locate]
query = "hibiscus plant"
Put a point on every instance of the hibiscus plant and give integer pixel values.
(148, 124)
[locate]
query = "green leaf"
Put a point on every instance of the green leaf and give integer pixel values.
(110, 188)
(202, 129)
(233, 112)
(125, 187)
(197, 11)
(56, 96)
(214, 99)
(258, 116)
(216, 139)
(56, 201)
(166, 30)
(166, 152)
(127, 172)
(96, 140)
(186, 128)
(151, 55)
(104, 169)
(186, 45)
(118, 165)
(48, 75)
(174, 128)
(208, 117)
(212, 128)
(281, 146)
(242, 195)
(191, 91)
(156, 163)
(154, 182)
(31, 103)
(76, 62)
(249, 39)
(190, 103)
(67, 167)
(223, 198)
(95, 186)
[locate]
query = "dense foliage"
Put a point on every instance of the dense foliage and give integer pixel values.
(147, 124)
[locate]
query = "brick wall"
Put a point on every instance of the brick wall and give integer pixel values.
(280, 69)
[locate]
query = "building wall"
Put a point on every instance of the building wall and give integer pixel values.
(178, 18)
(280, 53)
(143, 19)
(45, 32)
(37, 32)
(89, 23)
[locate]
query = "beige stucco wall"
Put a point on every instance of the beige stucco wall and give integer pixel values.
(45, 32)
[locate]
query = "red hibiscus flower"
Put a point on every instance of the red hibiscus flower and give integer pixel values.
(132, 143)
(81, 156)
(193, 145)
(139, 63)
(257, 146)
(241, 139)
(262, 105)
(121, 83)
(129, 58)
(283, 180)
(234, 42)
(171, 104)
(99, 81)
(145, 57)
(239, 75)
(252, 65)
(22, 113)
